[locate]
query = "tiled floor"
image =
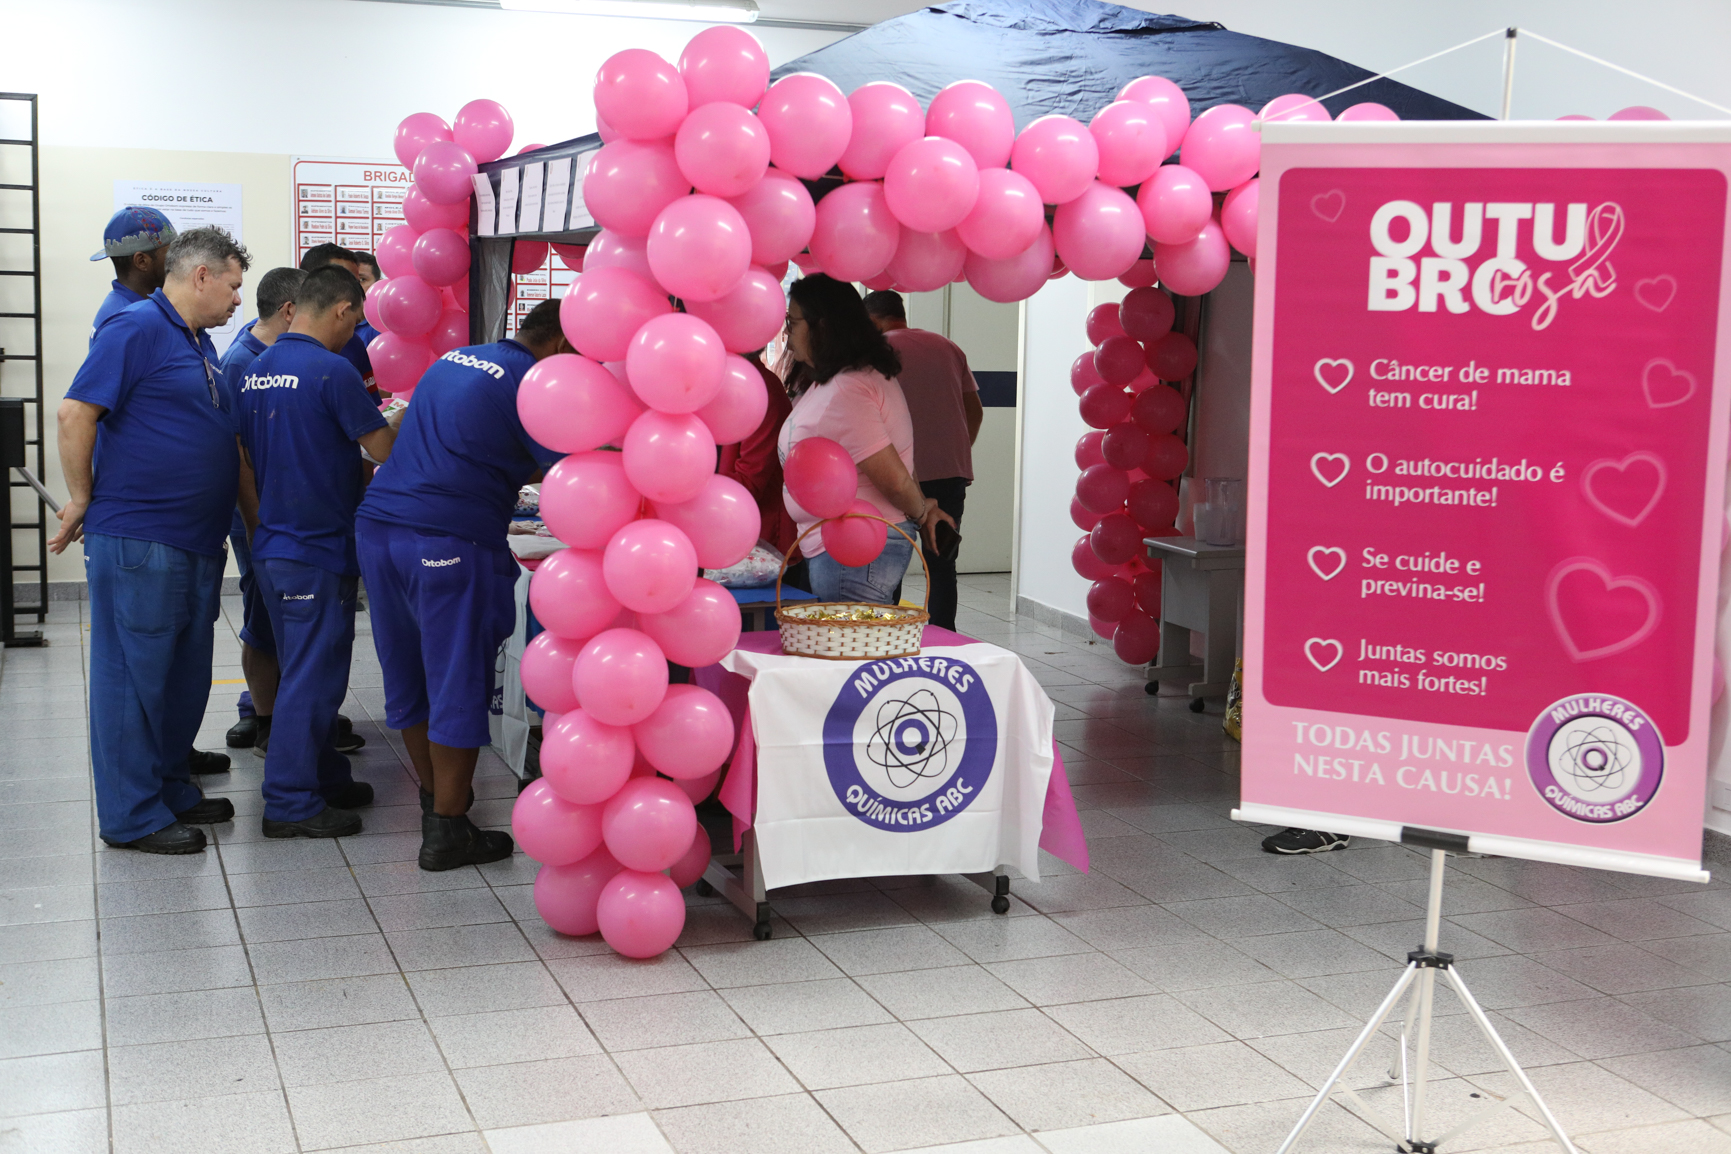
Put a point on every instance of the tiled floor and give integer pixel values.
(1186, 997)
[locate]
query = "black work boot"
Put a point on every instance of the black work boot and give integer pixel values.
(448, 843)
(328, 822)
(241, 733)
(427, 801)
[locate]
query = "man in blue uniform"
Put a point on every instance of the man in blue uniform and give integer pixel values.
(303, 417)
(148, 453)
(431, 538)
(355, 351)
(276, 308)
(370, 274)
(136, 240)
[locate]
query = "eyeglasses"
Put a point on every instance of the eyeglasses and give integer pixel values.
(793, 320)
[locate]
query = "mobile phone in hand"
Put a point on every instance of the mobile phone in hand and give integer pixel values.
(949, 540)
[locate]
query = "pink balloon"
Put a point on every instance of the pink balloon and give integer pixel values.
(535, 147)
(748, 316)
(1083, 517)
(569, 595)
(857, 538)
(1223, 147)
(1088, 450)
(1158, 410)
(927, 261)
(586, 499)
(700, 630)
(886, 117)
(809, 124)
(421, 214)
(640, 95)
(700, 789)
(1167, 457)
(1152, 504)
(440, 256)
(695, 860)
(1014, 279)
(724, 63)
(977, 117)
(1086, 564)
(450, 331)
(1146, 313)
(396, 251)
(1132, 141)
(585, 761)
(1141, 275)
(410, 306)
(1197, 267)
(699, 247)
(605, 130)
(527, 255)
(722, 149)
(620, 676)
(1175, 204)
(674, 363)
(1006, 218)
(649, 824)
(1118, 359)
(1116, 539)
(443, 171)
(1238, 216)
(1172, 357)
(1105, 405)
(649, 566)
(546, 671)
(1110, 599)
(550, 829)
(1124, 446)
(739, 404)
(616, 250)
(669, 455)
(1637, 112)
(821, 476)
(566, 895)
(688, 736)
(484, 128)
(1102, 489)
(1103, 321)
(571, 404)
(931, 184)
(1293, 108)
(1084, 374)
(414, 132)
(856, 233)
(1102, 629)
(640, 914)
(781, 216)
(1100, 233)
(1059, 155)
(1137, 640)
(398, 361)
(571, 255)
(1167, 99)
(1371, 110)
(722, 521)
(370, 309)
(605, 307)
(629, 182)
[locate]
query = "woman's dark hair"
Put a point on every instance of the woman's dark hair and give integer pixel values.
(841, 334)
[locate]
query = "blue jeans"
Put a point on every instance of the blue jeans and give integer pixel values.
(312, 615)
(153, 610)
(876, 583)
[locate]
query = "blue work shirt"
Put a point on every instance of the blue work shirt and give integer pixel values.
(119, 299)
(238, 358)
(461, 452)
(166, 466)
(299, 412)
(355, 352)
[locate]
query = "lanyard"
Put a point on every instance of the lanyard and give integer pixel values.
(210, 374)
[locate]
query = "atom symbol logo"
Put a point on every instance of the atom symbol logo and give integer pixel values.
(1595, 759)
(912, 739)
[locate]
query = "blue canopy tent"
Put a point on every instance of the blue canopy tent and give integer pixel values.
(1045, 56)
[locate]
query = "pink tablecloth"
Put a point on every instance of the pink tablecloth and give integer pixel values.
(1061, 828)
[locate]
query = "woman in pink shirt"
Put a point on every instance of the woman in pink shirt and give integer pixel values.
(845, 389)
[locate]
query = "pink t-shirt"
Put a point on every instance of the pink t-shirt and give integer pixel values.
(935, 379)
(863, 411)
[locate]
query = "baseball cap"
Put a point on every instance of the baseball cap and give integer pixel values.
(134, 228)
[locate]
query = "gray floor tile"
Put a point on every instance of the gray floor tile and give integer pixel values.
(938, 993)
(1133, 1025)
(31, 905)
(284, 887)
(48, 941)
(314, 959)
(286, 923)
(761, 963)
(595, 977)
(337, 1002)
(355, 1053)
(153, 933)
(162, 896)
(176, 971)
(1079, 978)
(402, 875)
(620, 1134)
(1600, 1029)
(459, 946)
(235, 1124)
(529, 1093)
(857, 1055)
(1264, 1009)
(1195, 964)
(69, 1132)
(1623, 968)
(663, 1020)
(436, 909)
(974, 1042)
(1534, 930)
(1697, 1079)
(43, 983)
(52, 1084)
(792, 1007)
(892, 950)
(1222, 1074)
(183, 1017)
(484, 989)
(836, 913)
(1708, 956)
(501, 1036)
(26, 1031)
(169, 1071)
(1128, 928)
(705, 1072)
(791, 1124)
(920, 1112)
(1310, 953)
(1067, 1094)
(280, 856)
(1008, 939)
(1589, 1097)
(1703, 1011)
(387, 1109)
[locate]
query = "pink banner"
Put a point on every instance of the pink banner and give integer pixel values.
(1488, 460)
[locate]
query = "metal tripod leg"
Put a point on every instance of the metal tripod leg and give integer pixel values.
(1496, 1040)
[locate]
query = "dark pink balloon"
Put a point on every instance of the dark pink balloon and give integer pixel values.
(821, 476)
(1086, 564)
(1158, 410)
(440, 256)
(410, 306)
(1172, 357)
(856, 538)
(1105, 405)
(1137, 641)
(1081, 516)
(1152, 504)
(1102, 489)
(1116, 539)
(1125, 446)
(1118, 360)
(1166, 457)
(1088, 452)
(1084, 374)
(1110, 599)
(1146, 314)
(527, 256)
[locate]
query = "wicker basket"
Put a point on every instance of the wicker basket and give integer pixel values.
(898, 636)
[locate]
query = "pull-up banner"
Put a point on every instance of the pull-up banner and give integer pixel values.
(1488, 448)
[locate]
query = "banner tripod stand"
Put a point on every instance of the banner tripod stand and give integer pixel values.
(1417, 984)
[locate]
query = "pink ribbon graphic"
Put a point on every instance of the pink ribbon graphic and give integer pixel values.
(1592, 272)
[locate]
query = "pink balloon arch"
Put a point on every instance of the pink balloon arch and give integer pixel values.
(698, 189)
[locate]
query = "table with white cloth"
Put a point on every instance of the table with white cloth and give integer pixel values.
(941, 763)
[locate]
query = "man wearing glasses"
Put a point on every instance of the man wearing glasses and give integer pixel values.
(148, 451)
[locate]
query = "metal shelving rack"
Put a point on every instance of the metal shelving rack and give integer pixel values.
(34, 443)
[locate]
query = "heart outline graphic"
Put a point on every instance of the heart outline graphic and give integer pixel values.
(1330, 549)
(1674, 371)
(1329, 362)
(1622, 466)
(1324, 642)
(1345, 467)
(1334, 198)
(1553, 585)
(1642, 291)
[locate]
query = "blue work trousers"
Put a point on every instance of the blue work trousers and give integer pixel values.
(153, 609)
(312, 614)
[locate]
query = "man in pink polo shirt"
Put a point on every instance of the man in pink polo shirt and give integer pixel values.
(944, 403)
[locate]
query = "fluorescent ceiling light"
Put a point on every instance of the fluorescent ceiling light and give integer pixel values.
(712, 11)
